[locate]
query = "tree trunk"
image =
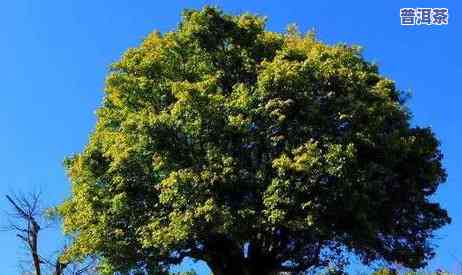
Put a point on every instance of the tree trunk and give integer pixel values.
(33, 232)
(225, 257)
(241, 270)
(226, 266)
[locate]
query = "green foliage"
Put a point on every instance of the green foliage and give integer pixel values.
(385, 271)
(390, 271)
(221, 137)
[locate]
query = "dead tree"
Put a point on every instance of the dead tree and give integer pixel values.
(25, 222)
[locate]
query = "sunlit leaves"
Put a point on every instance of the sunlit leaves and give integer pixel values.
(221, 131)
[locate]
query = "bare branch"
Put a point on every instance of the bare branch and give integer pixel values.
(25, 220)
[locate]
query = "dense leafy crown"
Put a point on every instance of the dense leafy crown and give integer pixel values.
(224, 142)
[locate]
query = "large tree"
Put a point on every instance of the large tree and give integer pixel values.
(253, 151)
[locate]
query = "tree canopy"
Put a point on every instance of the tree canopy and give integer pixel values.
(253, 151)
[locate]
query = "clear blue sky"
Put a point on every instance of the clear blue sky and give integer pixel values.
(54, 56)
